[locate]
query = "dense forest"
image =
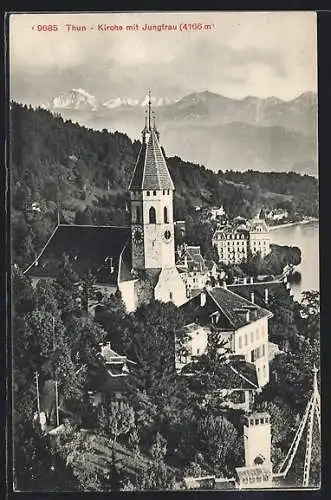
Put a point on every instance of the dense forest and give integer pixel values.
(59, 169)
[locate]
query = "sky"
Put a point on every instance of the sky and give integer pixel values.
(249, 53)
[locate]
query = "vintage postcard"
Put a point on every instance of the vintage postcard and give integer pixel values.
(164, 251)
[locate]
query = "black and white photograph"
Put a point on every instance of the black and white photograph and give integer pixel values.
(164, 240)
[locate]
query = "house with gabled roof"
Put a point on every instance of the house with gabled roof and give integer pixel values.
(243, 326)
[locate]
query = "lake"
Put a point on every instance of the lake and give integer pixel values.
(306, 237)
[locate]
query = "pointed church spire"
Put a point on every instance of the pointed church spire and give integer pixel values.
(149, 108)
(145, 129)
(154, 126)
(151, 171)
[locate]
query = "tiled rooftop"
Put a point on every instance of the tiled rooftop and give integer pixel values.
(233, 308)
(151, 171)
(232, 304)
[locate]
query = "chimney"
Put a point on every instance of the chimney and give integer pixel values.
(247, 316)
(203, 298)
(224, 285)
(252, 297)
(252, 280)
(266, 295)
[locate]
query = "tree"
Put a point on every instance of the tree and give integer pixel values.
(45, 297)
(150, 340)
(283, 325)
(67, 292)
(111, 316)
(74, 447)
(309, 315)
(157, 476)
(291, 376)
(84, 336)
(218, 441)
(116, 419)
(34, 460)
(22, 292)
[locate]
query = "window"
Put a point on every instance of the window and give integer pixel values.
(164, 191)
(198, 351)
(152, 215)
(257, 334)
(165, 215)
(170, 295)
(263, 350)
(154, 193)
(148, 193)
(246, 339)
(240, 341)
(168, 191)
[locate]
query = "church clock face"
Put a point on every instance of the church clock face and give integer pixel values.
(167, 236)
(137, 235)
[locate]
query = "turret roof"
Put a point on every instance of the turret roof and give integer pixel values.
(151, 171)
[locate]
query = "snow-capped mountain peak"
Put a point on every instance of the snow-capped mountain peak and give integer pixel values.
(80, 99)
(75, 99)
(114, 102)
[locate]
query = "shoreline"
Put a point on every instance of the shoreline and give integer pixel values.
(290, 224)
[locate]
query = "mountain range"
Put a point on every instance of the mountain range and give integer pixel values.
(207, 128)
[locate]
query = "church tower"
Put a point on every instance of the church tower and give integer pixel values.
(152, 225)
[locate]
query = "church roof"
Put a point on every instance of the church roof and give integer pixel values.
(151, 171)
(87, 248)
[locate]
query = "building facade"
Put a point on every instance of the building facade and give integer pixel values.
(259, 239)
(234, 243)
